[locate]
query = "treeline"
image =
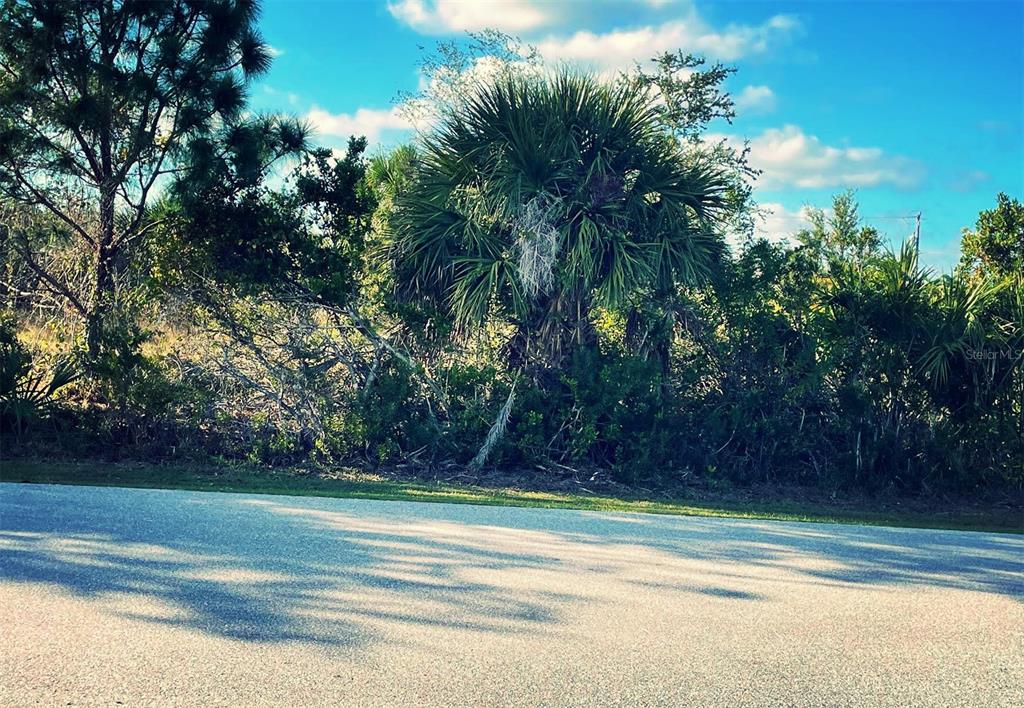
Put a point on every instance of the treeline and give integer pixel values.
(553, 274)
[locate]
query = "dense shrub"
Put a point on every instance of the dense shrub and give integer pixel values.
(543, 282)
(26, 391)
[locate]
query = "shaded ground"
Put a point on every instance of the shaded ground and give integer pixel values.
(197, 598)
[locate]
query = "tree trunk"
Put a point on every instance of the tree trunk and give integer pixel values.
(103, 286)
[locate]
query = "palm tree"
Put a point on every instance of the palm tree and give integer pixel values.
(543, 197)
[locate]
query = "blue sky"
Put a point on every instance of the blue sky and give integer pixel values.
(919, 106)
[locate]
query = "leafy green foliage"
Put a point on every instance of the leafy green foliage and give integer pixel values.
(26, 394)
(996, 246)
(540, 282)
(849, 368)
(304, 240)
(102, 101)
(837, 238)
(543, 198)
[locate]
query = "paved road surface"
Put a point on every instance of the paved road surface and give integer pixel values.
(163, 598)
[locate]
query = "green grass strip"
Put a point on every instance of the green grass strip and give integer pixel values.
(356, 485)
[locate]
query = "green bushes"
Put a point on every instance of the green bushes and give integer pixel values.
(26, 393)
(756, 393)
(543, 282)
(793, 365)
(606, 411)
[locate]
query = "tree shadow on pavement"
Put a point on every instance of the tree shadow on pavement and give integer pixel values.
(351, 573)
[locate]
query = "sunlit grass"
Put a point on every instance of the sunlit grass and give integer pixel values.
(357, 485)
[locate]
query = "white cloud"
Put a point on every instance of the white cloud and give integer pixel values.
(292, 98)
(778, 224)
(791, 158)
(610, 51)
(755, 99)
(621, 48)
(444, 16)
(274, 52)
(774, 223)
(969, 180)
(450, 87)
(371, 122)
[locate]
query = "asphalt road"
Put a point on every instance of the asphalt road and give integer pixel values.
(146, 597)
